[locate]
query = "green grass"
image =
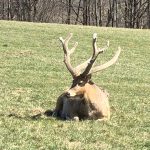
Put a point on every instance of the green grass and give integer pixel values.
(32, 76)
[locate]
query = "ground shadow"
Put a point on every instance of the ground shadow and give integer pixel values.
(27, 116)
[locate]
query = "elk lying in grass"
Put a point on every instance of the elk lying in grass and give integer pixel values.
(84, 99)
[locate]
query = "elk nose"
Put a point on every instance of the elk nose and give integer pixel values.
(68, 94)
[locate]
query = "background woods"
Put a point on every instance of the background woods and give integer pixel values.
(114, 13)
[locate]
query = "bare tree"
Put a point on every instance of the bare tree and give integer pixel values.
(100, 12)
(78, 12)
(148, 14)
(115, 13)
(69, 6)
(85, 12)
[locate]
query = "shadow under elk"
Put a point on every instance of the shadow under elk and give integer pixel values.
(84, 99)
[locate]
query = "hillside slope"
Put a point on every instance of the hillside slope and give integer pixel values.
(32, 76)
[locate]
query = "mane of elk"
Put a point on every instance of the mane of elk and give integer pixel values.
(84, 99)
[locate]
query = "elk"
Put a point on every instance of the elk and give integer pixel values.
(84, 99)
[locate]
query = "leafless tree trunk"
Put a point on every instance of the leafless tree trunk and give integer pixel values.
(148, 14)
(69, 6)
(88, 12)
(78, 12)
(109, 14)
(3, 10)
(96, 13)
(118, 13)
(100, 12)
(85, 21)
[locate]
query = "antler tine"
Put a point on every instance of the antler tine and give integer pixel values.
(96, 52)
(85, 64)
(65, 42)
(67, 53)
(107, 64)
(73, 48)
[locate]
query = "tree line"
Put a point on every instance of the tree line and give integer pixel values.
(110, 13)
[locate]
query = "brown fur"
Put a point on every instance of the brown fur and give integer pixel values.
(85, 101)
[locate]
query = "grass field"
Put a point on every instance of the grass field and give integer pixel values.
(32, 76)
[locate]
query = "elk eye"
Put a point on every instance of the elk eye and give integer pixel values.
(81, 83)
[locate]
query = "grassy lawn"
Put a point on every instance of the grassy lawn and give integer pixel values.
(32, 76)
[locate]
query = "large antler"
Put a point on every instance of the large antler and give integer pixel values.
(90, 61)
(67, 53)
(87, 66)
(107, 64)
(96, 52)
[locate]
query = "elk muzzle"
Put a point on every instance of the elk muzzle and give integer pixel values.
(75, 91)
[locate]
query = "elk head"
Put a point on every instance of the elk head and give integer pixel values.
(81, 74)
